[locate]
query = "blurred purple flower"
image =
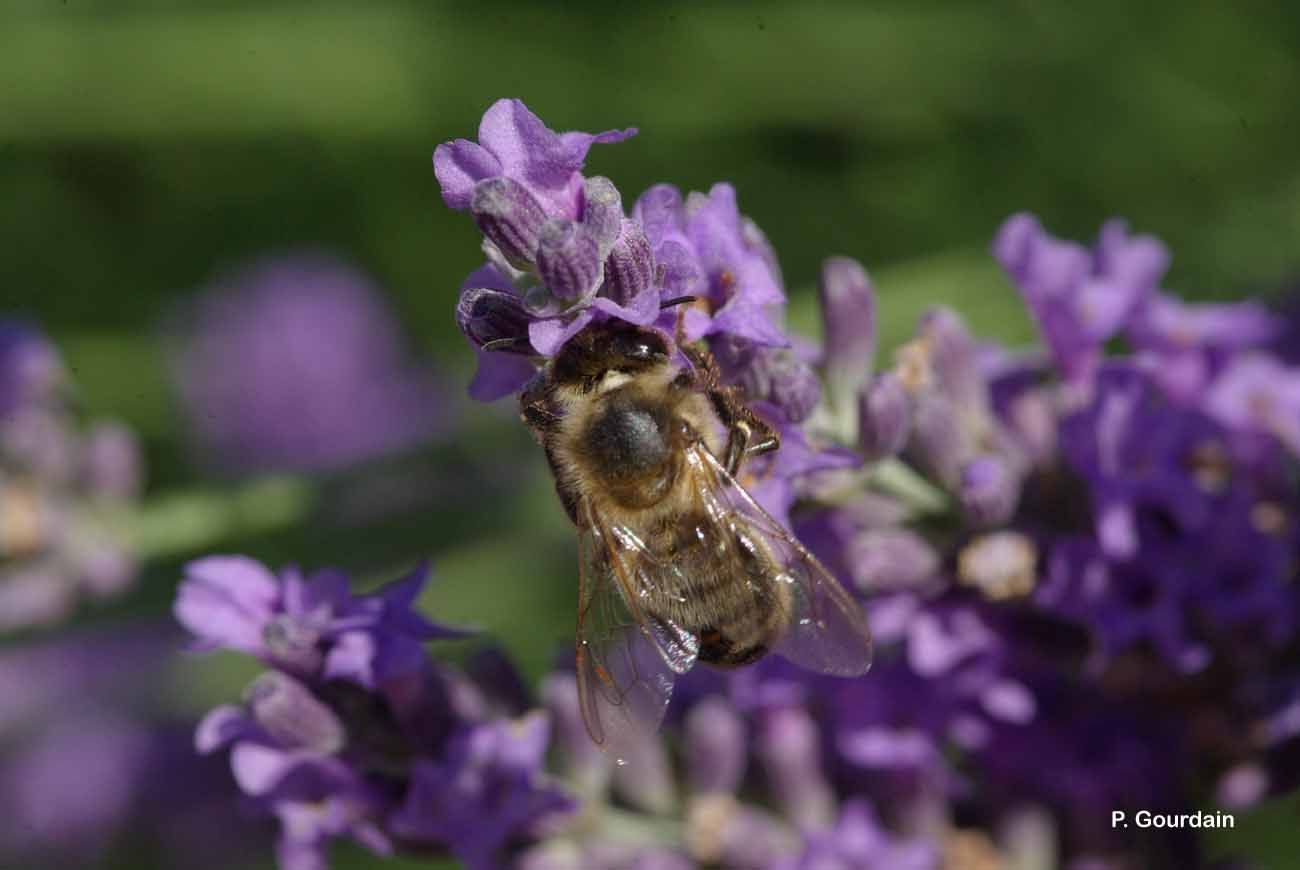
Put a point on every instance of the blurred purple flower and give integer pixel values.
(1255, 393)
(30, 368)
(88, 770)
(490, 790)
(858, 842)
(1135, 451)
(296, 364)
(1080, 298)
(62, 486)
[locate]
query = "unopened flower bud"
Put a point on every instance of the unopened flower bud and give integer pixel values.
(715, 747)
(510, 218)
(644, 777)
(111, 464)
(848, 305)
(568, 259)
(630, 266)
(885, 417)
(937, 439)
(789, 748)
(890, 558)
(494, 316)
(776, 375)
(952, 355)
(584, 763)
(291, 714)
(989, 490)
(602, 210)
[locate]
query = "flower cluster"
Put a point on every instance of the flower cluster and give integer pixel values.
(297, 364)
(60, 485)
(563, 252)
(1079, 563)
(354, 731)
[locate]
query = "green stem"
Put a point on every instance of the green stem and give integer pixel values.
(897, 478)
(188, 522)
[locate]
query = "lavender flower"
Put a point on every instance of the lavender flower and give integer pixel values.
(296, 364)
(61, 487)
(562, 253)
(1080, 563)
(514, 144)
(356, 732)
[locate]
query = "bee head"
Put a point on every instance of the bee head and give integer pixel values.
(611, 346)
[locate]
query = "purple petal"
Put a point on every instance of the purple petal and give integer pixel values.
(678, 272)
(643, 309)
(489, 276)
(1256, 392)
(352, 658)
(1132, 261)
(660, 211)
(1167, 322)
(227, 600)
(549, 335)
(458, 166)
(222, 726)
(743, 320)
(258, 769)
(500, 375)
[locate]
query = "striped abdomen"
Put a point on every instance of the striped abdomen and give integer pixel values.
(727, 596)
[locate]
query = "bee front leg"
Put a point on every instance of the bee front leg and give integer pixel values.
(748, 437)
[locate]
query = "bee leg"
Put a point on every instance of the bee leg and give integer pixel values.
(748, 436)
(737, 439)
(535, 411)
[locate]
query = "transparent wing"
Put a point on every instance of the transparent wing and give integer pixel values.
(627, 658)
(827, 630)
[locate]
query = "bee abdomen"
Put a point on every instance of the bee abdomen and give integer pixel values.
(720, 650)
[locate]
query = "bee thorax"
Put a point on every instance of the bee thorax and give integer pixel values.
(628, 447)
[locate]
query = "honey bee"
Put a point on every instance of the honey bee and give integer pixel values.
(678, 563)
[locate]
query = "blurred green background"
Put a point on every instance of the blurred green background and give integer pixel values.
(145, 144)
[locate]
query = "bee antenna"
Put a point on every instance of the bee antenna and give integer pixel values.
(676, 300)
(504, 343)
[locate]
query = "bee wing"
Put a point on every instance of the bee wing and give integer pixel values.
(827, 631)
(627, 659)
